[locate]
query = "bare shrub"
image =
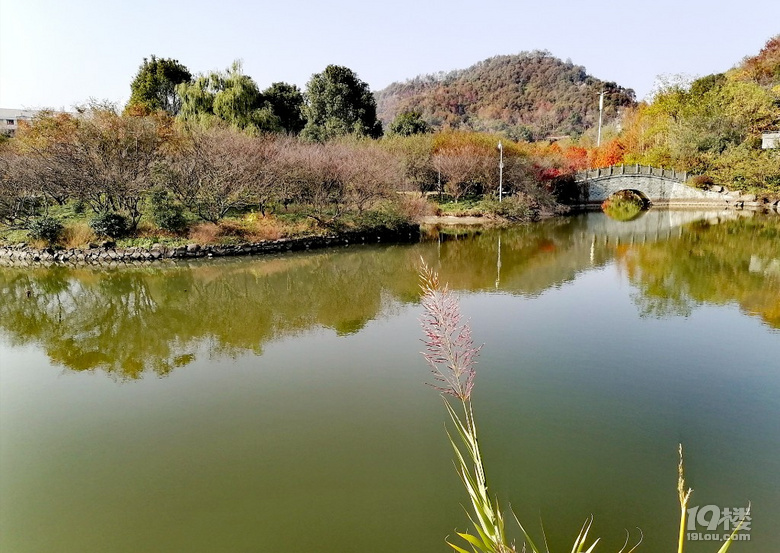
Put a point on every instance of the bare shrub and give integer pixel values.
(415, 207)
(322, 189)
(336, 177)
(216, 170)
(465, 169)
(370, 174)
(99, 157)
(19, 199)
(702, 182)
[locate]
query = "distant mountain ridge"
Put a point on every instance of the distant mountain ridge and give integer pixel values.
(530, 95)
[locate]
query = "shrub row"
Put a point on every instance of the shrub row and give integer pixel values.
(123, 168)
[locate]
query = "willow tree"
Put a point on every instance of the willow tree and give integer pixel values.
(229, 96)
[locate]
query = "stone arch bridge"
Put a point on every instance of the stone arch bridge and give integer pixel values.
(657, 186)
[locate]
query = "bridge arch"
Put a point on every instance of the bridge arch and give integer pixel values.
(639, 193)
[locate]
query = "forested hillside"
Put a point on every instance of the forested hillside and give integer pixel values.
(530, 95)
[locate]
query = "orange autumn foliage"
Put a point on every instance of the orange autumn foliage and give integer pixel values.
(576, 158)
(611, 153)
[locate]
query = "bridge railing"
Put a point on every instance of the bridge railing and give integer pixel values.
(632, 169)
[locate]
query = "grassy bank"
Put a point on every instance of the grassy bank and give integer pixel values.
(76, 229)
(70, 226)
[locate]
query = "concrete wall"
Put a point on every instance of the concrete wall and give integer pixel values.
(770, 140)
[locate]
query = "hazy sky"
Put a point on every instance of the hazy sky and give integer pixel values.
(56, 53)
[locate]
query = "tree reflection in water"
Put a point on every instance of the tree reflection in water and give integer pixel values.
(151, 319)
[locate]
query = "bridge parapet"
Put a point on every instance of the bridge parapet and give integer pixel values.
(631, 169)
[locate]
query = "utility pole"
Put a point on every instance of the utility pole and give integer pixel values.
(601, 109)
(500, 171)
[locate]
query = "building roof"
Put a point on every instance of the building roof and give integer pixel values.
(6, 113)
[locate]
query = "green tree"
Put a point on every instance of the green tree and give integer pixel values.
(286, 102)
(338, 104)
(154, 86)
(409, 123)
(228, 96)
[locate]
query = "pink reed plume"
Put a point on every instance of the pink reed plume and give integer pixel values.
(449, 349)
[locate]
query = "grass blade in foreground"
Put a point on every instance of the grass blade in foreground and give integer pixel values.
(451, 355)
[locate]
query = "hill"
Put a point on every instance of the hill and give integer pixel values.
(764, 68)
(530, 95)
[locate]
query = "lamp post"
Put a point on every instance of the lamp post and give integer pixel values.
(601, 109)
(500, 171)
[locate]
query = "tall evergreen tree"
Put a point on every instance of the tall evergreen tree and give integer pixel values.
(286, 101)
(154, 86)
(338, 104)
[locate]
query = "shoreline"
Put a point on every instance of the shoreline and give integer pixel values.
(21, 255)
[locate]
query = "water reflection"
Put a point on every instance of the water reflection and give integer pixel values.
(130, 320)
(736, 261)
(153, 319)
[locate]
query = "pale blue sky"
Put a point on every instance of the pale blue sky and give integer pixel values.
(56, 53)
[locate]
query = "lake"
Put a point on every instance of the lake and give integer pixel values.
(279, 403)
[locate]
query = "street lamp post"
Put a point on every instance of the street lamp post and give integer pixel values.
(601, 108)
(500, 171)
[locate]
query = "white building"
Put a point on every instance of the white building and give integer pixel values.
(9, 119)
(770, 140)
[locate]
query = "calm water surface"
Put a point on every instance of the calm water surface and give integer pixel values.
(278, 403)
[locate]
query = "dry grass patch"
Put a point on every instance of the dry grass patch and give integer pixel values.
(271, 228)
(251, 228)
(76, 235)
(205, 233)
(37, 244)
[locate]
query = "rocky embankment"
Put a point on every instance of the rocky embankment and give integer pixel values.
(741, 200)
(108, 254)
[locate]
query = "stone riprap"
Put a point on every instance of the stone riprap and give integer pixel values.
(109, 255)
(658, 186)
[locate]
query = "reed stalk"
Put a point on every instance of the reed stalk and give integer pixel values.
(452, 358)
